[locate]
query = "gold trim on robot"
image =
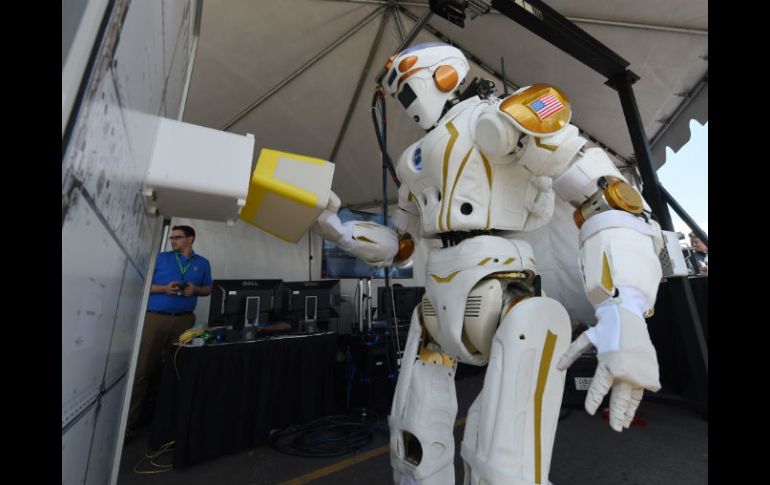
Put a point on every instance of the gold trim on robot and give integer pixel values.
(517, 106)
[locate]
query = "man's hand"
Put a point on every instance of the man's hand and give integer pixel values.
(704, 270)
(189, 290)
(627, 361)
(171, 289)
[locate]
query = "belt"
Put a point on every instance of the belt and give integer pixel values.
(173, 314)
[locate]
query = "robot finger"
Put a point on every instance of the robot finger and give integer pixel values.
(576, 348)
(600, 385)
(620, 401)
(636, 398)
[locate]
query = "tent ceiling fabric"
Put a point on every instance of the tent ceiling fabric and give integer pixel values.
(246, 49)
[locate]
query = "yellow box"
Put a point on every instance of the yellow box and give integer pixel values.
(287, 193)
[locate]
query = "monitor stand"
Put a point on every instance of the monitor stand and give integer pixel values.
(310, 322)
(309, 326)
(251, 315)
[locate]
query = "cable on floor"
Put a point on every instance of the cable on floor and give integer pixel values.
(327, 436)
(157, 468)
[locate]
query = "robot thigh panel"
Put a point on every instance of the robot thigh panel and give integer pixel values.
(511, 425)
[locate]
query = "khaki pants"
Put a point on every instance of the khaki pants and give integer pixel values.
(158, 333)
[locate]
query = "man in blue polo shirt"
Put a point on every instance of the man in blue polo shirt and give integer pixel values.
(180, 277)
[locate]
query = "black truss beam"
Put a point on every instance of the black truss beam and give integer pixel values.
(539, 18)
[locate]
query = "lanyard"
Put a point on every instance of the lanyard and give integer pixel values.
(179, 263)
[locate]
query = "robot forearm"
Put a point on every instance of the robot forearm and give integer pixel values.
(373, 243)
(618, 251)
(618, 248)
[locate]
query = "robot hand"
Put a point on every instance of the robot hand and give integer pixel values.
(627, 360)
(373, 243)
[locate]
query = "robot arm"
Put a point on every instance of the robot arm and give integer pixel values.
(375, 244)
(619, 249)
(619, 245)
(406, 222)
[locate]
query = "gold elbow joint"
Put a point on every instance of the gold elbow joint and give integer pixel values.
(405, 248)
(622, 196)
(616, 194)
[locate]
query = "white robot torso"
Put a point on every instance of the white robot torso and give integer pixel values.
(484, 168)
(457, 186)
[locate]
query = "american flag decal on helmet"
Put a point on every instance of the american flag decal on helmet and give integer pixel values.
(546, 105)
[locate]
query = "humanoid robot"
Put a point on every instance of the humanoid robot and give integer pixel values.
(487, 169)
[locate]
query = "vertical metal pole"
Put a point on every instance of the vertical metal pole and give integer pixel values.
(384, 184)
(368, 304)
(651, 185)
(361, 305)
(310, 255)
(685, 312)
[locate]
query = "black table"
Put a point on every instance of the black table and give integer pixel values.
(230, 396)
(676, 356)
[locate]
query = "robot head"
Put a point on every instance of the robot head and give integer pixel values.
(423, 77)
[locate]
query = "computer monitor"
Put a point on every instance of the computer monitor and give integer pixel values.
(245, 302)
(313, 300)
(405, 299)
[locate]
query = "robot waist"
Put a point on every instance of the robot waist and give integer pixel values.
(453, 238)
(452, 273)
(482, 253)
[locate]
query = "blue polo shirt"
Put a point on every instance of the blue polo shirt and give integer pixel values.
(197, 271)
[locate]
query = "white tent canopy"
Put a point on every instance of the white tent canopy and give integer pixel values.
(288, 71)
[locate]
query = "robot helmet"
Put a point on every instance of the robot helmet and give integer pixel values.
(423, 77)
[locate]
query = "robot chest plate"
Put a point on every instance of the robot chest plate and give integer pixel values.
(457, 187)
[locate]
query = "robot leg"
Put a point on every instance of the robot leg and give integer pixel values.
(423, 414)
(510, 429)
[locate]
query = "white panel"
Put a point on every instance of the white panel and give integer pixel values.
(75, 445)
(109, 152)
(80, 26)
(129, 302)
(140, 74)
(140, 78)
(105, 435)
(100, 157)
(92, 271)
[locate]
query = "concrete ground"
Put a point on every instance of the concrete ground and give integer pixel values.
(669, 446)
